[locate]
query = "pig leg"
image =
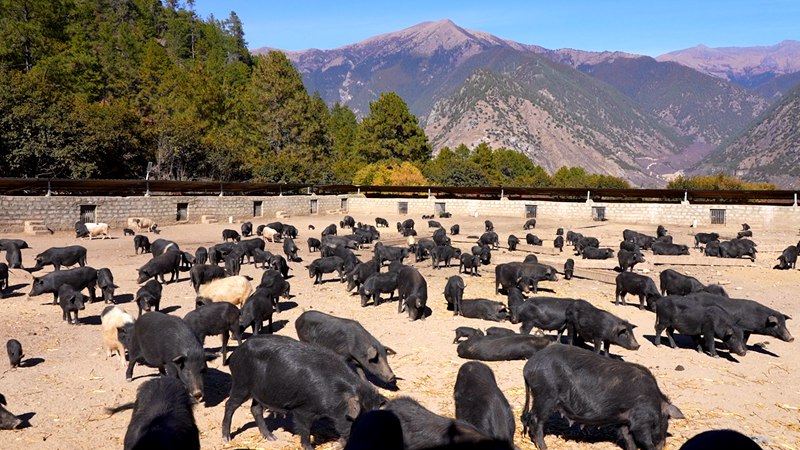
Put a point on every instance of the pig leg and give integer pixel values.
(641, 302)
(225, 337)
(659, 329)
(129, 371)
(670, 332)
(710, 344)
(236, 331)
(302, 423)
(235, 400)
(625, 432)
(570, 334)
(542, 411)
(258, 414)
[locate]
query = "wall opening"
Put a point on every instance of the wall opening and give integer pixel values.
(257, 208)
(530, 211)
(439, 208)
(313, 206)
(343, 204)
(88, 213)
(182, 212)
(402, 207)
(717, 217)
(599, 213)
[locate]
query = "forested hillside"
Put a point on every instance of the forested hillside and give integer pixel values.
(97, 89)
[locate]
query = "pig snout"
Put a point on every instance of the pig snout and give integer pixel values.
(197, 394)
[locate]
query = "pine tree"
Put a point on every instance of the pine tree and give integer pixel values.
(391, 131)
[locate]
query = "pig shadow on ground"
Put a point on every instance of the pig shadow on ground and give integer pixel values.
(426, 312)
(543, 289)
(8, 292)
(759, 347)
(277, 325)
(90, 320)
(217, 386)
(31, 362)
(559, 426)
(580, 342)
(26, 420)
(285, 306)
(686, 343)
(123, 298)
(322, 429)
(170, 309)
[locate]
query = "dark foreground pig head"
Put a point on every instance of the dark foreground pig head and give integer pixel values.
(655, 431)
(734, 340)
(144, 275)
(524, 284)
(377, 363)
(622, 335)
(108, 293)
(37, 287)
(8, 421)
(776, 326)
(191, 372)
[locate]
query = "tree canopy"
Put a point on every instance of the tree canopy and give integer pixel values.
(97, 89)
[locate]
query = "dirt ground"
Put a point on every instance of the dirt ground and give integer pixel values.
(66, 381)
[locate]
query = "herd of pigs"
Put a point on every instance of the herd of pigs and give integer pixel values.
(333, 369)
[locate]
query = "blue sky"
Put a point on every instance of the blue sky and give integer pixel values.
(649, 27)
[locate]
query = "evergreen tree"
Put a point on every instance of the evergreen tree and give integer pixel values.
(391, 131)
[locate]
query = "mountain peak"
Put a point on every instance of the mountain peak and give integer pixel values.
(428, 37)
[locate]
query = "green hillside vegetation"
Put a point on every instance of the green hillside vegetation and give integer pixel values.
(95, 89)
(718, 182)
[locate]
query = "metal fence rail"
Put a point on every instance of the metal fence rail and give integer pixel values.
(42, 186)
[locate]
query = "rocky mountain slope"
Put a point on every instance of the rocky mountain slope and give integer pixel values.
(696, 105)
(769, 150)
(555, 116)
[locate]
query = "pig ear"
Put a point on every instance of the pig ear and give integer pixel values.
(372, 353)
(2, 400)
(772, 320)
(672, 411)
(179, 360)
(389, 351)
(786, 317)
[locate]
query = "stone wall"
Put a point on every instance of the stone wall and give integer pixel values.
(775, 217)
(61, 212)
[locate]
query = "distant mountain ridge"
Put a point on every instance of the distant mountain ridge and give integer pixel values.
(746, 66)
(613, 112)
